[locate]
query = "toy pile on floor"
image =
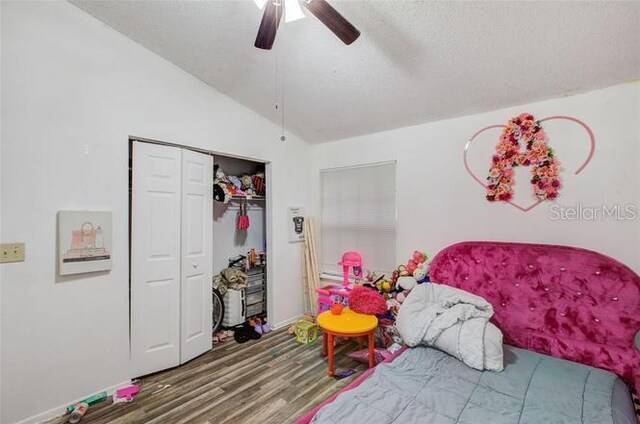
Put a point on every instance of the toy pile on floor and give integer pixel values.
(226, 186)
(373, 295)
(383, 296)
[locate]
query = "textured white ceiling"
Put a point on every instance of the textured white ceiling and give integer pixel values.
(415, 62)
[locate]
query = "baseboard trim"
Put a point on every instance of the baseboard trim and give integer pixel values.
(61, 410)
(286, 322)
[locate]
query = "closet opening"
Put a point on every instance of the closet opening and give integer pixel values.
(240, 257)
(199, 236)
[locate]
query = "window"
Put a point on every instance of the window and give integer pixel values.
(359, 213)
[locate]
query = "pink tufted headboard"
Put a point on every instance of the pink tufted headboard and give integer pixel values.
(563, 301)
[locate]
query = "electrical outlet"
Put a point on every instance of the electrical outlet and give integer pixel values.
(11, 252)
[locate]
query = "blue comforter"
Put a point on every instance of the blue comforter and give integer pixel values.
(425, 385)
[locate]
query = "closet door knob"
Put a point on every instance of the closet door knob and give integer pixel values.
(195, 265)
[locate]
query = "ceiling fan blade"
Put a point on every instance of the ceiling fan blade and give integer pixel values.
(333, 20)
(269, 25)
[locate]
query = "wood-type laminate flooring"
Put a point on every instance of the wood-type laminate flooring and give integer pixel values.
(268, 381)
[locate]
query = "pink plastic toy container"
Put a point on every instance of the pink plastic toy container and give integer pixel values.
(330, 294)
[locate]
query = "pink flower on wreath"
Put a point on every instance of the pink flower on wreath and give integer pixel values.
(539, 149)
(519, 131)
(527, 123)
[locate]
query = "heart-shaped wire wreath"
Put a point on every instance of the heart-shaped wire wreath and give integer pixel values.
(545, 180)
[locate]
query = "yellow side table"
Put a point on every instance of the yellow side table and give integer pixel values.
(347, 324)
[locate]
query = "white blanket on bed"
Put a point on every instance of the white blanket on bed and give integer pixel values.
(454, 321)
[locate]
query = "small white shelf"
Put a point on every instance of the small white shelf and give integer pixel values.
(236, 197)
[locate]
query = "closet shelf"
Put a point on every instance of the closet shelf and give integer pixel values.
(238, 197)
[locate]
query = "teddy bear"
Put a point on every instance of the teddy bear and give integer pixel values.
(407, 282)
(421, 273)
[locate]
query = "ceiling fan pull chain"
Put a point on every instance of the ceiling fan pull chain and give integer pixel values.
(279, 90)
(282, 136)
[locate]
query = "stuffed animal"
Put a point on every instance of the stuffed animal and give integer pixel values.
(421, 273)
(416, 259)
(222, 188)
(384, 286)
(419, 257)
(406, 283)
(400, 271)
(247, 185)
(218, 193)
(400, 297)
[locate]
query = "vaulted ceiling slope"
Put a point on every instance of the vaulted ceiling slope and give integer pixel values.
(415, 62)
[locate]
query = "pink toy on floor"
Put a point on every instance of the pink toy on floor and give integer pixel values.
(367, 301)
(128, 392)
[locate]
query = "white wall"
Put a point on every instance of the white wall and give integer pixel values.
(439, 203)
(229, 242)
(73, 91)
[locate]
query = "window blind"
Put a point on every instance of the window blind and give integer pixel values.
(359, 213)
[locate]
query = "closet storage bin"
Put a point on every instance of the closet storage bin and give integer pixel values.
(256, 297)
(253, 289)
(255, 309)
(256, 275)
(255, 285)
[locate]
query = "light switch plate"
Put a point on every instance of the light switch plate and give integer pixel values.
(11, 252)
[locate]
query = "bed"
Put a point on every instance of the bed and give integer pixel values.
(569, 318)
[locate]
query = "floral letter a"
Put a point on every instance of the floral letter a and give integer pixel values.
(544, 166)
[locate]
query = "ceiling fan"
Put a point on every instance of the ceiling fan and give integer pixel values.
(273, 10)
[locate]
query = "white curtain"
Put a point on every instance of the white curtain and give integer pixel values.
(359, 213)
